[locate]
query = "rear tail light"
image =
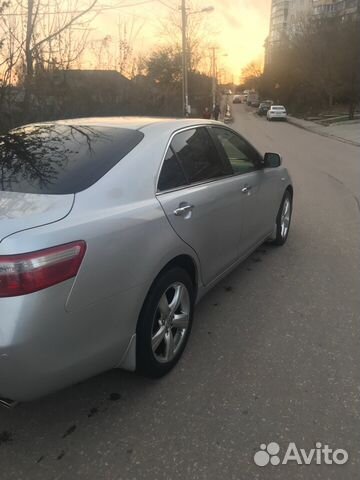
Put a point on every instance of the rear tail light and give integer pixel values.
(30, 272)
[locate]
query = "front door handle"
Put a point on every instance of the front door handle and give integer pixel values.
(183, 210)
(246, 188)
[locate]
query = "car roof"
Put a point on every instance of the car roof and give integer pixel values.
(137, 123)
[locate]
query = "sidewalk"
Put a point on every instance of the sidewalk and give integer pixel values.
(348, 131)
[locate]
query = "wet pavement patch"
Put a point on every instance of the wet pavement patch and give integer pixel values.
(40, 459)
(114, 397)
(228, 289)
(69, 431)
(5, 437)
(93, 412)
(61, 455)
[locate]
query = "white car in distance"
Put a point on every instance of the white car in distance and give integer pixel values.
(276, 112)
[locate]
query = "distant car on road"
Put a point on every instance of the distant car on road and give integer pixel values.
(276, 112)
(111, 230)
(253, 99)
(264, 107)
(237, 99)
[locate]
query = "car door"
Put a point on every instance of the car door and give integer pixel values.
(256, 186)
(201, 200)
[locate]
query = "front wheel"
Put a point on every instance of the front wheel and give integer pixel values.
(283, 219)
(164, 323)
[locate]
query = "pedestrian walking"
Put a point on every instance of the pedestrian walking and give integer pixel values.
(206, 113)
(216, 111)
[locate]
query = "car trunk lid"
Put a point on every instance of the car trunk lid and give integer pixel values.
(22, 211)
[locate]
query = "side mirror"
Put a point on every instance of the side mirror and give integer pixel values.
(272, 160)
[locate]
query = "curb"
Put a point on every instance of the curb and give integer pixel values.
(292, 121)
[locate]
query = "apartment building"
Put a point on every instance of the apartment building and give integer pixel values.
(286, 15)
(341, 8)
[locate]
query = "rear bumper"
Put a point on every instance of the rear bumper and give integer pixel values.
(278, 117)
(44, 348)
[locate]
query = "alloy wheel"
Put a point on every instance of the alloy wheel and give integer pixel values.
(285, 217)
(171, 322)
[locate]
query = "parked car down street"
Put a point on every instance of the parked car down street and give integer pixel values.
(276, 112)
(111, 230)
(264, 107)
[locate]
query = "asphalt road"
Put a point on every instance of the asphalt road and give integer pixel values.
(274, 357)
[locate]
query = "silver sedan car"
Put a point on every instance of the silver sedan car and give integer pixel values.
(110, 230)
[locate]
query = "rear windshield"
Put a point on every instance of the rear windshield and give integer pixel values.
(61, 159)
(278, 108)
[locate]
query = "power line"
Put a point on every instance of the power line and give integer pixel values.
(168, 6)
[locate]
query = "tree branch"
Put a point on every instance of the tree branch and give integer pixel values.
(64, 27)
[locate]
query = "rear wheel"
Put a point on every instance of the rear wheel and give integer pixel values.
(283, 219)
(164, 323)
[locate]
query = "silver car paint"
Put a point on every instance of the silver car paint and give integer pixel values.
(24, 210)
(55, 337)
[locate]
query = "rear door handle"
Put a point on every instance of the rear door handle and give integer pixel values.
(246, 188)
(183, 210)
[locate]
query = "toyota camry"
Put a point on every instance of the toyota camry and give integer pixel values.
(111, 229)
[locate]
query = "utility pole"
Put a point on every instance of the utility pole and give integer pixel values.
(213, 76)
(185, 99)
(185, 85)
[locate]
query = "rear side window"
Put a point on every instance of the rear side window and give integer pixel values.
(61, 159)
(172, 175)
(198, 155)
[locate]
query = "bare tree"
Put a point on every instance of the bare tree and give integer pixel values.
(64, 49)
(117, 52)
(251, 74)
(41, 31)
(43, 34)
(102, 52)
(128, 32)
(10, 68)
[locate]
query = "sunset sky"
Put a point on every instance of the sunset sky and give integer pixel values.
(241, 26)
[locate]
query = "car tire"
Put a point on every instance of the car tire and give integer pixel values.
(159, 342)
(283, 219)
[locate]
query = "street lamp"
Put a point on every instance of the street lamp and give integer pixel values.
(185, 86)
(205, 10)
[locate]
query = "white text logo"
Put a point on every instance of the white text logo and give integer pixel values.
(320, 455)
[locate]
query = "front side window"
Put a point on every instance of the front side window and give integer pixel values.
(242, 156)
(198, 155)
